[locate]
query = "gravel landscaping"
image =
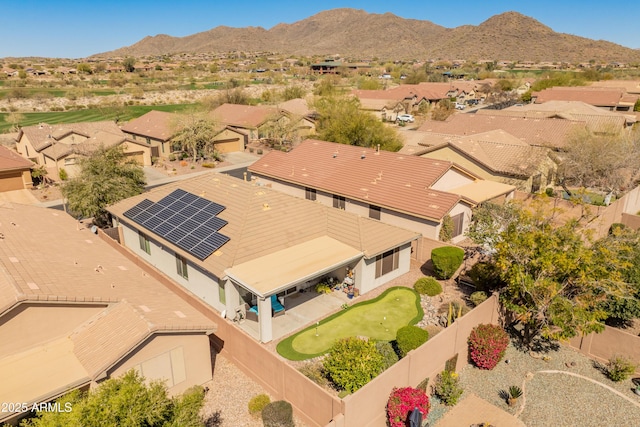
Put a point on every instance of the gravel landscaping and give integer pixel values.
(555, 398)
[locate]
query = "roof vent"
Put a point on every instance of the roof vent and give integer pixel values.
(335, 154)
(362, 156)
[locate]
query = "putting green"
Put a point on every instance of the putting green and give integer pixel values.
(378, 318)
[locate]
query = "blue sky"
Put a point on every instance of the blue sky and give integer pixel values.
(76, 29)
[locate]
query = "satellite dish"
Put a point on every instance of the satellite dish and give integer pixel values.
(223, 314)
(94, 229)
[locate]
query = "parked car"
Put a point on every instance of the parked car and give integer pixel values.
(472, 101)
(407, 118)
(460, 106)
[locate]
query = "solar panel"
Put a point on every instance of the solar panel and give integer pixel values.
(184, 219)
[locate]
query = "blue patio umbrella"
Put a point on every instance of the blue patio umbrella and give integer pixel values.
(415, 419)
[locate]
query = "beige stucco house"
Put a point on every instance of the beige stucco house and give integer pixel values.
(241, 247)
(74, 311)
(406, 191)
(15, 171)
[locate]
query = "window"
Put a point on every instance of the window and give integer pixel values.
(374, 212)
(536, 181)
(69, 161)
(222, 296)
(458, 222)
(339, 202)
(387, 262)
(310, 193)
(181, 266)
(145, 245)
(149, 141)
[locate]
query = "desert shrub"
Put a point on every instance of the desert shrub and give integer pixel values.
(446, 260)
(352, 363)
(258, 403)
(389, 355)
(446, 229)
(485, 276)
(172, 157)
(549, 192)
(616, 228)
(259, 151)
(315, 373)
(278, 414)
(620, 368)
(404, 400)
(487, 345)
(209, 165)
(62, 173)
(478, 298)
(427, 286)
(409, 338)
(447, 387)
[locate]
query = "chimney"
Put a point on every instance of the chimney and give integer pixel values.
(378, 149)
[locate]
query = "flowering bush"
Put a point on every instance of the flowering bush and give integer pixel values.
(448, 388)
(404, 400)
(487, 344)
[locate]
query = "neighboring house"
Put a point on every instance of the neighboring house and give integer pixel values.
(407, 191)
(157, 128)
(497, 156)
(58, 146)
(239, 246)
(256, 121)
(297, 109)
(15, 171)
(74, 311)
(596, 119)
(612, 99)
(544, 132)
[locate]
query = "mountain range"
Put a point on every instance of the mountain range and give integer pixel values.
(358, 34)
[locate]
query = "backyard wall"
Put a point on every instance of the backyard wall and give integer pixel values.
(366, 407)
(608, 343)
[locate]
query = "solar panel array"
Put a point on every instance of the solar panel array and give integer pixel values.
(184, 219)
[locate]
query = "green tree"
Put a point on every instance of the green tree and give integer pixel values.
(553, 279)
(84, 67)
(352, 363)
(105, 177)
(194, 132)
(129, 64)
(342, 121)
(125, 402)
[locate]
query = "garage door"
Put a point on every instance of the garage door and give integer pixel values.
(137, 156)
(11, 181)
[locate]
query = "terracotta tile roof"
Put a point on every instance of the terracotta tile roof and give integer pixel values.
(43, 135)
(603, 97)
(10, 160)
(297, 106)
(629, 86)
(262, 221)
(78, 267)
(100, 139)
(391, 180)
(595, 118)
(498, 151)
(546, 132)
(154, 124)
(244, 116)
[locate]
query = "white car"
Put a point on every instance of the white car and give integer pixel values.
(407, 118)
(460, 106)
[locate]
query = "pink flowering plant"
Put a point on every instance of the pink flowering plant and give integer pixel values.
(404, 400)
(487, 345)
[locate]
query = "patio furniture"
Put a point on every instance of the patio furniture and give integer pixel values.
(276, 308)
(252, 313)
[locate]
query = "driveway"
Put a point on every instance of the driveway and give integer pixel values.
(23, 197)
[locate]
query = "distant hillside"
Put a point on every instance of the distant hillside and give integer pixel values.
(356, 33)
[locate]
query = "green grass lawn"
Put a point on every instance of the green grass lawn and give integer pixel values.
(378, 319)
(90, 115)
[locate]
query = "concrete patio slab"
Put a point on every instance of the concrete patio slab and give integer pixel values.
(473, 410)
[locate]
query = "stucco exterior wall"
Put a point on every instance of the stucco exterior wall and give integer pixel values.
(201, 284)
(452, 179)
(366, 270)
(29, 325)
(183, 360)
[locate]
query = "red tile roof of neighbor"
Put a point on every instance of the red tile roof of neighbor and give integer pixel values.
(154, 124)
(391, 180)
(245, 116)
(10, 160)
(609, 97)
(546, 132)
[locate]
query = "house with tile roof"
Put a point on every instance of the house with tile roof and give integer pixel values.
(497, 156)
(15, 171)
(157, 128)
(543, 132)
(58, 147)
(407, 191)
(241, 247)
(75, 311)
(611, 99)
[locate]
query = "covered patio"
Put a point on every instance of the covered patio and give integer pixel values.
(276, 301)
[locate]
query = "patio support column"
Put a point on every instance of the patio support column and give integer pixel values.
(264, 319)
(232, 298)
